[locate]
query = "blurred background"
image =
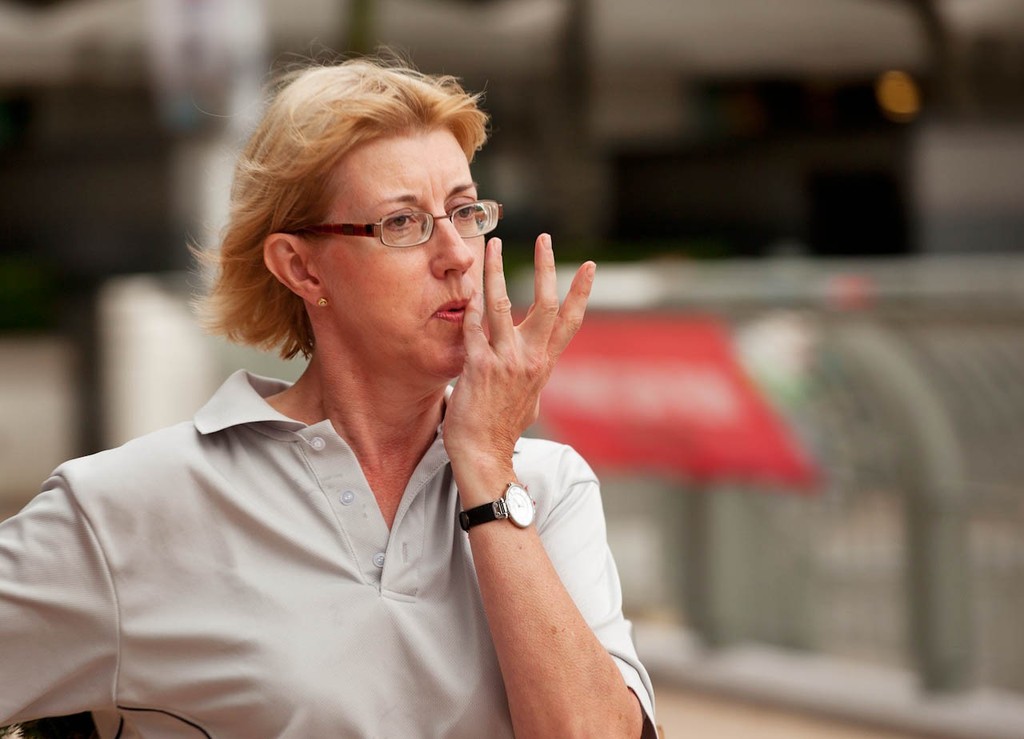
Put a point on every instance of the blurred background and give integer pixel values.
(801, 377)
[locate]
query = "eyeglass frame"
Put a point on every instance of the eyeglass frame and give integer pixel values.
(376, 229)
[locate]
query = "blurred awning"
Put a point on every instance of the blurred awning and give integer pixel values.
(665, 394)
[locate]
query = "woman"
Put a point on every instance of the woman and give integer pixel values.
(366, 552)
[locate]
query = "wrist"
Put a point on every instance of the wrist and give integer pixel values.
(482, 483)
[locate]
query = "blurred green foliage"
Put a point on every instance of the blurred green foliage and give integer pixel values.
(29, 295)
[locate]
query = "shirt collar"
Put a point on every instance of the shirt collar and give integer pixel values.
(242, 399)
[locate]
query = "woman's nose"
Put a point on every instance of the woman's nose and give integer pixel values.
(451, 251)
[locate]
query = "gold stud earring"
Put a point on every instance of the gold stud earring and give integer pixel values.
(322, 302)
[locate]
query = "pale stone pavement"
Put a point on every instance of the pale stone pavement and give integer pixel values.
(684, 714)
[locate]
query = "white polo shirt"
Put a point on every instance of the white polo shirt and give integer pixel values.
(233, 577)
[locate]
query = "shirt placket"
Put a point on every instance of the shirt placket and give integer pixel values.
(402, 575)
(360, 523)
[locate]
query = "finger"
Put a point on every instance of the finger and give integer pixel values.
(541, 317)
(498, 309)
(570, 317)
(473, 336)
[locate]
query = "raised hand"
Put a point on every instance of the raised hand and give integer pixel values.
(498, 394)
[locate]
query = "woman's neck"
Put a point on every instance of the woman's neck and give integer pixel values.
(384, 422)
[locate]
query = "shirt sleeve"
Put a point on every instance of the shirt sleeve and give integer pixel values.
(58, 623)
(574, 534)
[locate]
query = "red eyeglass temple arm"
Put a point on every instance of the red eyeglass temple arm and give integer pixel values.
(345, 229)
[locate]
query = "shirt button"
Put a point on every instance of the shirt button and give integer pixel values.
(348, 497)
(378, 559)
(317, 443)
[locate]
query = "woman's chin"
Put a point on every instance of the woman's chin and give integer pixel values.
(451, 363)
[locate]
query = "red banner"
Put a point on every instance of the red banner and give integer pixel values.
(666, 394)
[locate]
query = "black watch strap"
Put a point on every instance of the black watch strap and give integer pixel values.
(482, 514)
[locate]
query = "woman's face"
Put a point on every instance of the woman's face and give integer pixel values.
(398, 312)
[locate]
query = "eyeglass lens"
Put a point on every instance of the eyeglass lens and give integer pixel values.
(409, 229)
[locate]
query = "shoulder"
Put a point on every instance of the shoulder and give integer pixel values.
(151, 456)
(551, 469)
(550, 458)
(179, 451)
(121, 495)
(151, 472)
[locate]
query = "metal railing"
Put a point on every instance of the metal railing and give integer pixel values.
(912, 399)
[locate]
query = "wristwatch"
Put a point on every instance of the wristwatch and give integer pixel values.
(516, 505)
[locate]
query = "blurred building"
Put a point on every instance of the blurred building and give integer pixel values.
(714, 128)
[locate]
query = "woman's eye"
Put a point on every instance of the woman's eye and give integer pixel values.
(398, 222)
(466, 213)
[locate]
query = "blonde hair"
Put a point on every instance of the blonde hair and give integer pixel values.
(282, 180)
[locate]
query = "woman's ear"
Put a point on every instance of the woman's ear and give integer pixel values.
(290, 260)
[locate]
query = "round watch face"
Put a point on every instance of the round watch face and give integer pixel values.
(520, 505)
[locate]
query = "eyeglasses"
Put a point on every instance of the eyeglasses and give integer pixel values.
(411, 228)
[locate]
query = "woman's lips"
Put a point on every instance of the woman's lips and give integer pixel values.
(452, 312)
